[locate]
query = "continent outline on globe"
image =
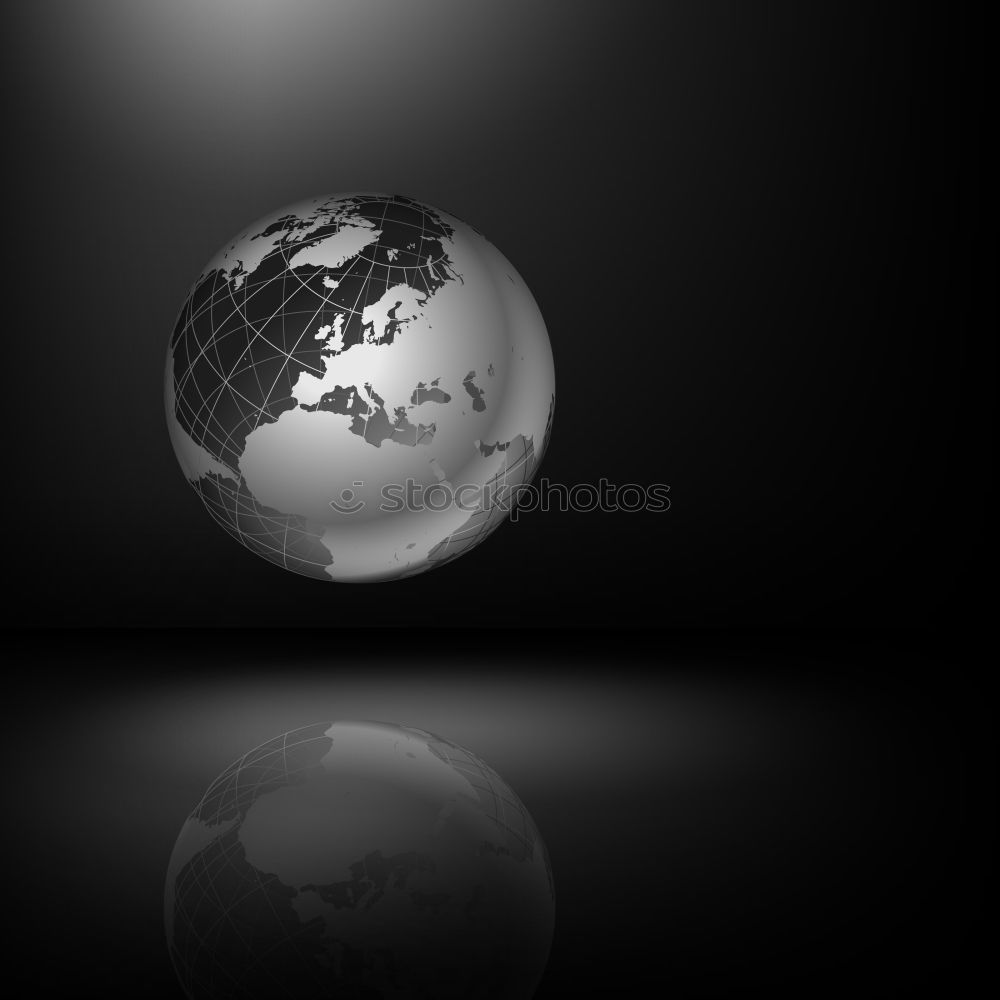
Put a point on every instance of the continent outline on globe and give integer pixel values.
(349, 342)
(359, 858)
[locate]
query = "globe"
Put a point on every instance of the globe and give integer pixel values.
(359, 387)
(356, 859)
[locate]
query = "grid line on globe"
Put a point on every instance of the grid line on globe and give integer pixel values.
(271, 323)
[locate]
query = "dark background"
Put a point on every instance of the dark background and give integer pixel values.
(749, 228)
(753, 232)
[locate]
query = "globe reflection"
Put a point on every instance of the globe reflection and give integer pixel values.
(359, 859)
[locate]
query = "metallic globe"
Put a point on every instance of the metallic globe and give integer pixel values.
(359, 860)
(358, 385)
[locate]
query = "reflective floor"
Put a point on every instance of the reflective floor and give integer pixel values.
(771, 815)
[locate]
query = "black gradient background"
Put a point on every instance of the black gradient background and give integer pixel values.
(748, 227)
(754, 730)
